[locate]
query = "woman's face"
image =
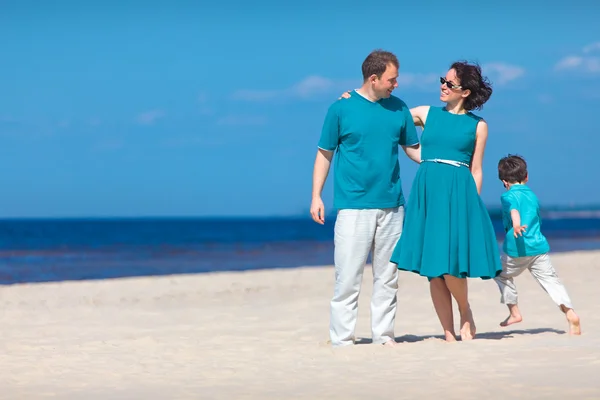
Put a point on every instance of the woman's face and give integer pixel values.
(450, 89)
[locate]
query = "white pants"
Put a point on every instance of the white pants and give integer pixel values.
(358, 232)
(542, 270)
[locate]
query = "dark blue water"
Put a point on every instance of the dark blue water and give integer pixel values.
(56, 250)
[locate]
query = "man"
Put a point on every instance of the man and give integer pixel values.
(366, 130)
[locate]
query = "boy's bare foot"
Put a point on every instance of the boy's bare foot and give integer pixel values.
(574, 324)
(514, 316)
(511, 319)
(390, 343)
(467, 326)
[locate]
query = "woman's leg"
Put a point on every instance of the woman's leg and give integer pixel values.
(442, 301)
(459, 289)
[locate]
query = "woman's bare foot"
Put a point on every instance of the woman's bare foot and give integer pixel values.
(467, 325)
(390, 343)
(514, 317)
(450, 336)
(574, 324)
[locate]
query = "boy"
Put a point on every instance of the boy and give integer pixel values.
(525, 247)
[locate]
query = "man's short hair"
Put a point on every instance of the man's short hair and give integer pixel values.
(377, 62)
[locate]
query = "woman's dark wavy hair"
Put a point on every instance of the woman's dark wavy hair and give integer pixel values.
(470, 78)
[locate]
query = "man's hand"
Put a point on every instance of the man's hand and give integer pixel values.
(345, 95)
(519, 229)
(317, 210)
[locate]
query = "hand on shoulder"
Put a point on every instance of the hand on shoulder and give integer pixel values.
(345, 95)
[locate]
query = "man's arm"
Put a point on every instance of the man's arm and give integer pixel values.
(409, 140)
(320, 172)
(477, 160)
(328, 143)
(413, 152)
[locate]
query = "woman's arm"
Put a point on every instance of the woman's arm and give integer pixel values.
(477, 160)
(419, 115)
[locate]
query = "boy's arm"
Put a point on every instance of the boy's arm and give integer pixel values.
(516, 220)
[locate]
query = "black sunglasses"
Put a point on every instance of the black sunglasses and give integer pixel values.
(449, 84)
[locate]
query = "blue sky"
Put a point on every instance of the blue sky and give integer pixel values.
(215, 108)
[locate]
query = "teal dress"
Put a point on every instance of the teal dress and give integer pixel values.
(447, 228)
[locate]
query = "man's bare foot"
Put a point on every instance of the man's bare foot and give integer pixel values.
(574, 324)
(467, 326)
(390, 343)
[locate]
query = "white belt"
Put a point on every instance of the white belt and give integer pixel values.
(450, 162)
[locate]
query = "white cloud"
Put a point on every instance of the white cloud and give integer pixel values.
(308, 87)
(312, 85)
(407, 79)
(592, 47)
(315, 86)
(150, 117)
(583, 62)
(242, 120)
(502, 73)
(569, 62)
(588, 64)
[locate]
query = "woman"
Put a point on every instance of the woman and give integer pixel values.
(448, 235)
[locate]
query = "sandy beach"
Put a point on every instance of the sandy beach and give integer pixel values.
(263, 335)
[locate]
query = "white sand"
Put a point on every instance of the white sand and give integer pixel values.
(263, 335)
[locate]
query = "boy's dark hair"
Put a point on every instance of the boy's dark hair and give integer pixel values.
(512, 169)
(377, 62)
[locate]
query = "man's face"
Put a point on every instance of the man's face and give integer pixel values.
(385, 85)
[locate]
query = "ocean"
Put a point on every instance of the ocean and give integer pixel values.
(45, 250)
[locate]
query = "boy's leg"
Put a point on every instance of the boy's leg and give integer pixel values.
(385, 275)
(511, 268)
(543, 271)
(353, 238)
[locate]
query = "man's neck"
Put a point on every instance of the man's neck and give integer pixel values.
(366, 92)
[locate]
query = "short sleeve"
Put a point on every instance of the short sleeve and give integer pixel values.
(330, 133)
(408, 136)
(509, 202)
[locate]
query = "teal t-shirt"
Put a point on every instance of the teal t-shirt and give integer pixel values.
(533, 242)
(366, 135)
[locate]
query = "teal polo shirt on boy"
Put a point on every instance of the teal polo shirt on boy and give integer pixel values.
(366, 135)
(533, 242)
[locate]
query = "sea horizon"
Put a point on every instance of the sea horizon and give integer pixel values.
(80, 248)
(548, 211)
